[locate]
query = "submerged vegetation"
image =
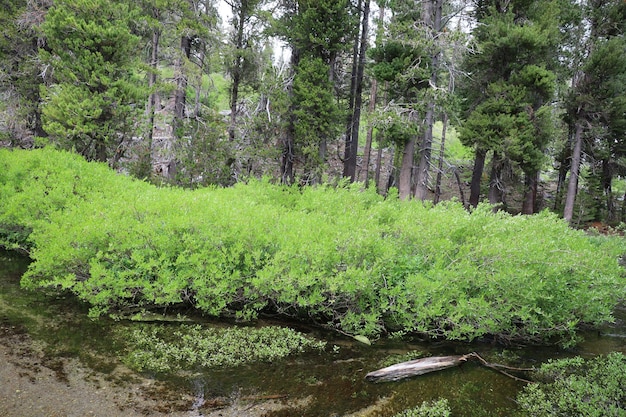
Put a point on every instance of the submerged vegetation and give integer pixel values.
(159, 349)
(342, 256)
(439, 408)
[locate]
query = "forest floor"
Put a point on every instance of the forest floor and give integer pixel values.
(35, 385)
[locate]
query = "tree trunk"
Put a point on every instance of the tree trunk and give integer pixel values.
(352, 94)
(496, 188)
(367, 151)
(352, 144)
(530, 193)
(152, 79)
(564, 167)
(379, 159)
(572, 187)
(236, 73)
(406, 169)
(477, 173)
(181, 79)
(287, 157)
(147, 153)
(442, 151)
(607, 179)
(432, 19)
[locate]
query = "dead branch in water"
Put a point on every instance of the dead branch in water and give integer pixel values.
(436, 363)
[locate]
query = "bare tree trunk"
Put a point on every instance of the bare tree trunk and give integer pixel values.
(572, 187)
(530, 193)
(479, 165)
(379, 158)
(352, 143)
(496, 187)
(181, 79)
(372, 106)
(236, 73)
(348, 150)
(607, 179)
(442, 151)
(198, 86)
(152, 99)
(287, 157)
(432, 10)
(406, 167)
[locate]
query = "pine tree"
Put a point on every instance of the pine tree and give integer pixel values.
(90, 105)
(509, 93)
(595, 106)
(317, 31)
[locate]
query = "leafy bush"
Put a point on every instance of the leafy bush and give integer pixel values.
(161, 349)
(578, 387)
(343, 256)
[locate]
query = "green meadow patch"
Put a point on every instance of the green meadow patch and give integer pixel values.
(342, 256)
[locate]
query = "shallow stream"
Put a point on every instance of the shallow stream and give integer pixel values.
(316, 384)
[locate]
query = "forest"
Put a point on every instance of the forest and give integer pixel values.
(519, 103)
(386, 171)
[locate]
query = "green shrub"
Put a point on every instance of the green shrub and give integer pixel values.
(341, 255)
(578, 387)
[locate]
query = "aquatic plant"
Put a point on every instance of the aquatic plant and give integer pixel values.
(436, 408)
(160, 348)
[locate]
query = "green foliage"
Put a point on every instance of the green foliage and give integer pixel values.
(90, 48)
(577, 387)
(508, 97)
(203, 157)
(319, 28)
(163, 349)
(438, 408)
(316, 111)
(343, 255)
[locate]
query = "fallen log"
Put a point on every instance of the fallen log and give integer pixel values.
(436, 363)
(416, 367)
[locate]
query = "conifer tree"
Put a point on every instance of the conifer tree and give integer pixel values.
(595, 105)
(90, 49)
(317, 31)
(509, 93)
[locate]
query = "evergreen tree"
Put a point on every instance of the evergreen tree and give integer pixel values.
(91, 103)
(404, 64)
(596, 109)
(242, 62)
(509, 93)
(317, 31)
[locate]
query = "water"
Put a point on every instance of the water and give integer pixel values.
(315, 384)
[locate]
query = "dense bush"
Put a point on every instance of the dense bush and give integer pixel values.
(342, 256)
(578, 387)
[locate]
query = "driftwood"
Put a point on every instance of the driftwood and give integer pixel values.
(415, 367)
(436, 363)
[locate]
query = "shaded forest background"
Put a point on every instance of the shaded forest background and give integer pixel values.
(518, 102)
